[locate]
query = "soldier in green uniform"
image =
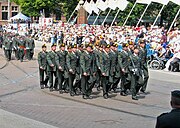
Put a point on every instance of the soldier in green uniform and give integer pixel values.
(135, 72)
(114, 71)
(51, 68)
(30, 45)
(15, 46)
(143, 58)
(87, 66)
(124, 61)
(105, 70)
(61, 66)
(42, 61)
(21, 45)
(7, 43)
(71, 61)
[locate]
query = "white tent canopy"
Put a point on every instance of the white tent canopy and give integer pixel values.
(20, 16)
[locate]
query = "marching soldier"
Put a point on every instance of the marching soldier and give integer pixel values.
(30, 45)
(71, 61)
(135, 72)
(51, 68)
(42, 61)
(61, 67)
(87, 66)
(21, 45)
(8, 47)
(143, 58)
(124, 61)
(15, 46)
(105, 70)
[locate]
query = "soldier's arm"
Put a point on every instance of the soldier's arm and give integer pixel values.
(120, 61)
(57, 60)
(68, 62)
(39, 59)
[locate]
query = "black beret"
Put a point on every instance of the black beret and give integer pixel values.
(53, 45)
(62, 45)
(44, 46)
(175, 93)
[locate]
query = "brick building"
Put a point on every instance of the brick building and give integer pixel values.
(14, 9)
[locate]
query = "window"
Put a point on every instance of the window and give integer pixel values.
(4, 15)
(14, 8)
(4, 8)
(14, 13)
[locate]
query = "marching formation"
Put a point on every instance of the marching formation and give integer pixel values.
(21, 46)
(78, 68)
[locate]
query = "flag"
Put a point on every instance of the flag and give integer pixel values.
(144, 1)
(176, 2)
(122, 4)
(94, 7)
(87, 7)
(101, 5)
(165, 2)
(112, 4)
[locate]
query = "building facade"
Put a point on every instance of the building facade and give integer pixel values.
(13, 9)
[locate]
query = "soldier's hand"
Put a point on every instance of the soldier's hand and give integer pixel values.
(60, 68)
(70, 70)
(123, 70)
(41, 68)
(103, 74)
(85, 74)
(52, 65)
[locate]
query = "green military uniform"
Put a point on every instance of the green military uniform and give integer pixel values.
(30, 45)
(15, 47)
(21, 45)
(143, 58)
(42, 61)
(71, 61)
(105, 66)
(136, 75)
(87, 66)
(51, 68)
(124, 61)
(61, 68)
(114, 71)
(8, 47)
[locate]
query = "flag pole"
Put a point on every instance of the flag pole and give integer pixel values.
(96, 18)
(158, 15)
(71, 15)
(142, 15)
(106, 17)
(129, 14)
(174, 21)
(115, 17)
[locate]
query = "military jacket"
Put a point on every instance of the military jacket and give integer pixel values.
(61, 59)
(51, 59)
(114, 59)
(124, 60)
(7, 44)
(42, 59)
(30, 43)
(105, 63)
(143, 56)
(86, 62)
(72, 61)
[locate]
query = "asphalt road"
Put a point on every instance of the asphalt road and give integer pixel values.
(20, 94)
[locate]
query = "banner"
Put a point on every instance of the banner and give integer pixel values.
(112, 4)
(122, 4)
(94, 7)
(101, 5)
(87, 7)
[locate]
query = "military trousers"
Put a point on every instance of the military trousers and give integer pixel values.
(60, 76)
(86, 85)
(134, 84)
(21, 54)
(125, 81)
(52, 79)
(146, 77)
(43, 73)
(105, 84)
(8, 54)
(71, 82)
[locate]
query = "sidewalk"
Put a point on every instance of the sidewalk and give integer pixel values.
(10, 120)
